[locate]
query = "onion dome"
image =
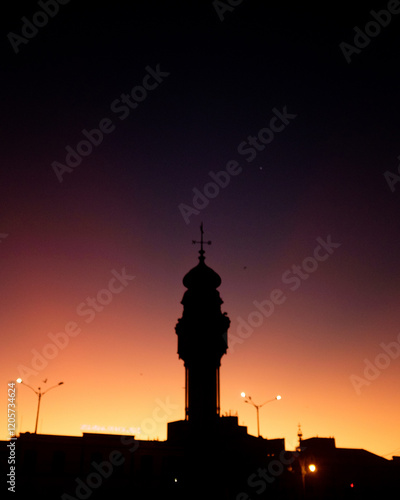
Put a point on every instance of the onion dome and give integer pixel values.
(201, 276)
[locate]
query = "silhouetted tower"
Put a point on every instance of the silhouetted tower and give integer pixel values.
(202, 341)
(299, 435)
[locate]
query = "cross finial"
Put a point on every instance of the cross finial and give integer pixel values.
(202, 242)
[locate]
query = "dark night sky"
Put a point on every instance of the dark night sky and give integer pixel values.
(322, 175)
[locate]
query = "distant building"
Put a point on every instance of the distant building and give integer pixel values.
(346, 472)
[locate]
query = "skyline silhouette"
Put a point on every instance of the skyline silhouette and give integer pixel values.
(206, 454)
(163, 116)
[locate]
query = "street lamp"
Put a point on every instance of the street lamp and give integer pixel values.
(306, 471)
(39, 393)
(247, 399)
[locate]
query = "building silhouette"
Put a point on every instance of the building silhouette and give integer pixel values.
(346, 472)
(202, 341)
(230, 454)
(206, 455)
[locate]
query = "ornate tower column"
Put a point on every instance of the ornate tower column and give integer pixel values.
(202, 341)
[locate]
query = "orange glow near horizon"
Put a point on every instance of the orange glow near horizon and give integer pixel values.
(120, 363)
(116, 387)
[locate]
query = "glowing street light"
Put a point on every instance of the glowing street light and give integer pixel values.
(39, 393)
(247, 399)
(306, 471)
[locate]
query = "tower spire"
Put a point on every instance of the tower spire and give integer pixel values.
(299, 435)
(202, 242)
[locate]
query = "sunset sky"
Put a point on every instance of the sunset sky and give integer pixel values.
(102, 253)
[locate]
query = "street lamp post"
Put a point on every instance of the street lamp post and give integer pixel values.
(257, 407)
(305, 471)
(39, 394)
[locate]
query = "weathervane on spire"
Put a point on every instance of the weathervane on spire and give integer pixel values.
(202, 242)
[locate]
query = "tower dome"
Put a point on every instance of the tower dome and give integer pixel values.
(201, 276)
